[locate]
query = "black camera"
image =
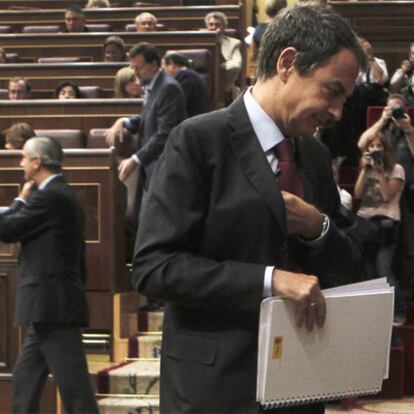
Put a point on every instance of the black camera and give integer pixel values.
(376, 155)
(398, 111)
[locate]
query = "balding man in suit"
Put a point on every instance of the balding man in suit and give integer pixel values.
(48, 222)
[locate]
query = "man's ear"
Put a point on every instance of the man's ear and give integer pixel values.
(286, 63)
(37, 164)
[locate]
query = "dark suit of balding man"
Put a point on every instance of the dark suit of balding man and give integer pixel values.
(50, 299)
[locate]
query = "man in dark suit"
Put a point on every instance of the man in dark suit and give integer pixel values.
(48, 222)
(219, 235)
(163, 109)
(196, 95)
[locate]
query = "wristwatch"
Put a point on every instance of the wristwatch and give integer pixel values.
(325, 225)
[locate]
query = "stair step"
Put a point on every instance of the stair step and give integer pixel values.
(145, 345)
(150, 321)
(406, 334)
(116, 405)
(393, 387)
(410, 314)
(139, 377)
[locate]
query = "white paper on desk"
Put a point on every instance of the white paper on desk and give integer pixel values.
(347, 356)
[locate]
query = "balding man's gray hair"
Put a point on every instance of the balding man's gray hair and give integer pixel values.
(48, 150)
(217, 15)
(143, 15)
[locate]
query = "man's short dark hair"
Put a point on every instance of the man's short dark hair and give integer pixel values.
(397, 96)
(148, 51)
(316, 31)
(176, 58)
(75, 9)
(18, 79)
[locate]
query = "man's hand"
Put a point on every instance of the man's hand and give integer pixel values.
(28, 187)
(302, 218)
(386, 115)
(403, 123)
(125, 168)
(304, 290)
(115, 132)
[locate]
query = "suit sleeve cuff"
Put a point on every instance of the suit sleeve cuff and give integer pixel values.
(126, 122)
(136, 159)
(267, 286)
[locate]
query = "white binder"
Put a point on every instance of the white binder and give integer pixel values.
(348, 356)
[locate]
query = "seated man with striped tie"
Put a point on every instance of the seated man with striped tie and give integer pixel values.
(243, 206)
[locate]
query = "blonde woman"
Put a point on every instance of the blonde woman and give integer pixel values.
(127, 84)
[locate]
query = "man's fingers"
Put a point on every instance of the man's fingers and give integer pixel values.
(321, 314)
(300, 315)
(311, 315)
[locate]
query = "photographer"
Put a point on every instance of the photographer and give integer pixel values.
(396, 126)
(402, 80)
(379, 186)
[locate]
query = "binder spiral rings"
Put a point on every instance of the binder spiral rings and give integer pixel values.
(312, 399)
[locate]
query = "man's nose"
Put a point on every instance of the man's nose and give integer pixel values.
(336, 108)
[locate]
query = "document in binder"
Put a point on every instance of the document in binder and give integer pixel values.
(348, 356)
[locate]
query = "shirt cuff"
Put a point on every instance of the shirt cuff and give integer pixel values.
(22, 200)
(126, 123)
(320, 240)
(136, 159)
(267, 286)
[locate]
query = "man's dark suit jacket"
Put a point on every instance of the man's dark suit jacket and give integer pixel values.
(215, 220)
(195, 91)
(163, 110)
(52, 274)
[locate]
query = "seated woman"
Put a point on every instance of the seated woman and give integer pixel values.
(97, 4)
(17, 135)
(379, 186)
(67, 90)
(127, 84)
(114, 50)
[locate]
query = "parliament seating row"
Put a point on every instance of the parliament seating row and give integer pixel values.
(88, 47)
(84, 114)
(62, 4)
(102, 27)
(173, 18)
(44, 78)
(95, 138)
(87, 92)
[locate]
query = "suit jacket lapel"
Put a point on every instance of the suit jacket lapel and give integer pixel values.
(253, 161)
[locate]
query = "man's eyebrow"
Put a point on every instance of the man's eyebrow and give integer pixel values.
(337, 86)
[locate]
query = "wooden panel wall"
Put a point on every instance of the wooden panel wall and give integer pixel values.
(388, 25)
